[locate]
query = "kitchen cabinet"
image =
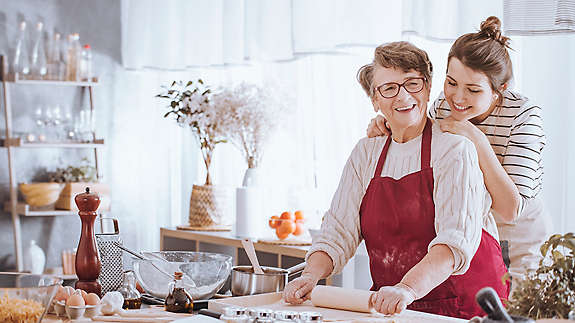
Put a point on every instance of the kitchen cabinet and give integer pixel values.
(11, 144)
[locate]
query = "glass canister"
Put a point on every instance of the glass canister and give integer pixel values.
(132, 297)
(310, 317)
(235, 315)
(286, 317)
(264, 316)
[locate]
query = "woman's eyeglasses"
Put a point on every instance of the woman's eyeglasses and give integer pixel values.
(391, 89)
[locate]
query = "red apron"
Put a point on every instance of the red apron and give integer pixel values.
(397, 223)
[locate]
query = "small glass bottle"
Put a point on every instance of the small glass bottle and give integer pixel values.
(39, 68)
(55, 59)
(132, 297)
(21, 62)
(73, 57)
(178, 300)
(234, 315)
(86, 64)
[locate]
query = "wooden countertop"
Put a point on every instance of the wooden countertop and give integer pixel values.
(228, 238)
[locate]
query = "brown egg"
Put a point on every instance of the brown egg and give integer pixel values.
(75, 300)
(92, 299)
(61, 294)
(70, 290)
(83, 293)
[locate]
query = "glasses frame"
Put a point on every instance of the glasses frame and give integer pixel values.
(399, 86)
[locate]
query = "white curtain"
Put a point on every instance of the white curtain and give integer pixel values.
(311, 50)
(178, 34)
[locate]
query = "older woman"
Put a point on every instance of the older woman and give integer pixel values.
(416, 197)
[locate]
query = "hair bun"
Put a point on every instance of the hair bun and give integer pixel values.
(491, 28)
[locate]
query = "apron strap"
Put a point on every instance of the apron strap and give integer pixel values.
(426, 146)
(382, 156)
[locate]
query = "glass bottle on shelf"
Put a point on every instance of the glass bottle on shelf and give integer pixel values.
(55, 59)
(73, 57)
(38, 69)
(21, 62)
(178, 300)
(86, 64)
(132, 297)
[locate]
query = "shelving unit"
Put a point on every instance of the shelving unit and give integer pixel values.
(11, 144)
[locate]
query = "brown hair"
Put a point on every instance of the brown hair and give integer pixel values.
(485, 51)
(401, 55)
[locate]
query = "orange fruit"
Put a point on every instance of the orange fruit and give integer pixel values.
(299, 215)
(286, 227)
(298, 228)
(273, 221)
(287, 216)
(280, 235)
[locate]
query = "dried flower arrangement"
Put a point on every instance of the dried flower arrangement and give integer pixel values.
(190, 104)
(549, 292)
(74, 174)
(251, 113)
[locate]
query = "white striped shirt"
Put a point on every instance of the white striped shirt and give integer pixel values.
(515, 131)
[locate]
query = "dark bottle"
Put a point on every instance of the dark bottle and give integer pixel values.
(178, 300)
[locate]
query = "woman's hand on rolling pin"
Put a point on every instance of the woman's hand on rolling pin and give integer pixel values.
(378, 127)
(299, 290)
(393, 299)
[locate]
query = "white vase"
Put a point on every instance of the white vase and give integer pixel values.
(34, 258)
(251, 177)
(249, 206)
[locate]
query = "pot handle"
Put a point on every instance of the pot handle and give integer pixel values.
(296, 269)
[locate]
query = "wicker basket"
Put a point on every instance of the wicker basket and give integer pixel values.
(209, 206)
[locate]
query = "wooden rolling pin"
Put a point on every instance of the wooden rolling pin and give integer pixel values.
(342, 298)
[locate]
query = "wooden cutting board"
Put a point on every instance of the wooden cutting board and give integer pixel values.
(150, 314)
(274, 302)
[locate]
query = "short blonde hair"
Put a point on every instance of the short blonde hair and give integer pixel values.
(401, 55)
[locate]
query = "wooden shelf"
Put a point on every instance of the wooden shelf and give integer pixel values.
(19, 142)
(11, 79)
(24, 209)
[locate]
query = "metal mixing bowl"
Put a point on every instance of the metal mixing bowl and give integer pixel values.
(19, 291)
(204, 273)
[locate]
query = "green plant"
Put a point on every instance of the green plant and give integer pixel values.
(74, 174)
(549, 291)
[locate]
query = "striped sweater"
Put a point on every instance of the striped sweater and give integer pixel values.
(515, 131)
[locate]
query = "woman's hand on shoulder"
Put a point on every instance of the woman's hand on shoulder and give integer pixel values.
(459, 127)
(299, 290)
(378, 127)
(393, 299)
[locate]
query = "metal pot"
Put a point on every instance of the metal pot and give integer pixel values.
(246, 282)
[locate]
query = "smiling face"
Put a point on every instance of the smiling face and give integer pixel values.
(406, 112)
(468, 92)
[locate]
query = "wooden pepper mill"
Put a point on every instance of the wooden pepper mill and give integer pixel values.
(88, 264)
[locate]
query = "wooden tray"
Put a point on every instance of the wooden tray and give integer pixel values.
(287, 242)
(213, 228)
(274, 302)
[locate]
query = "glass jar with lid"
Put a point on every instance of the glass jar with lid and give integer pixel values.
(310, 317)
(286, 317)
(235, 315)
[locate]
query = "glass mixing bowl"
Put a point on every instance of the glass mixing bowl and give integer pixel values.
(204, 273)
(26, 297)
